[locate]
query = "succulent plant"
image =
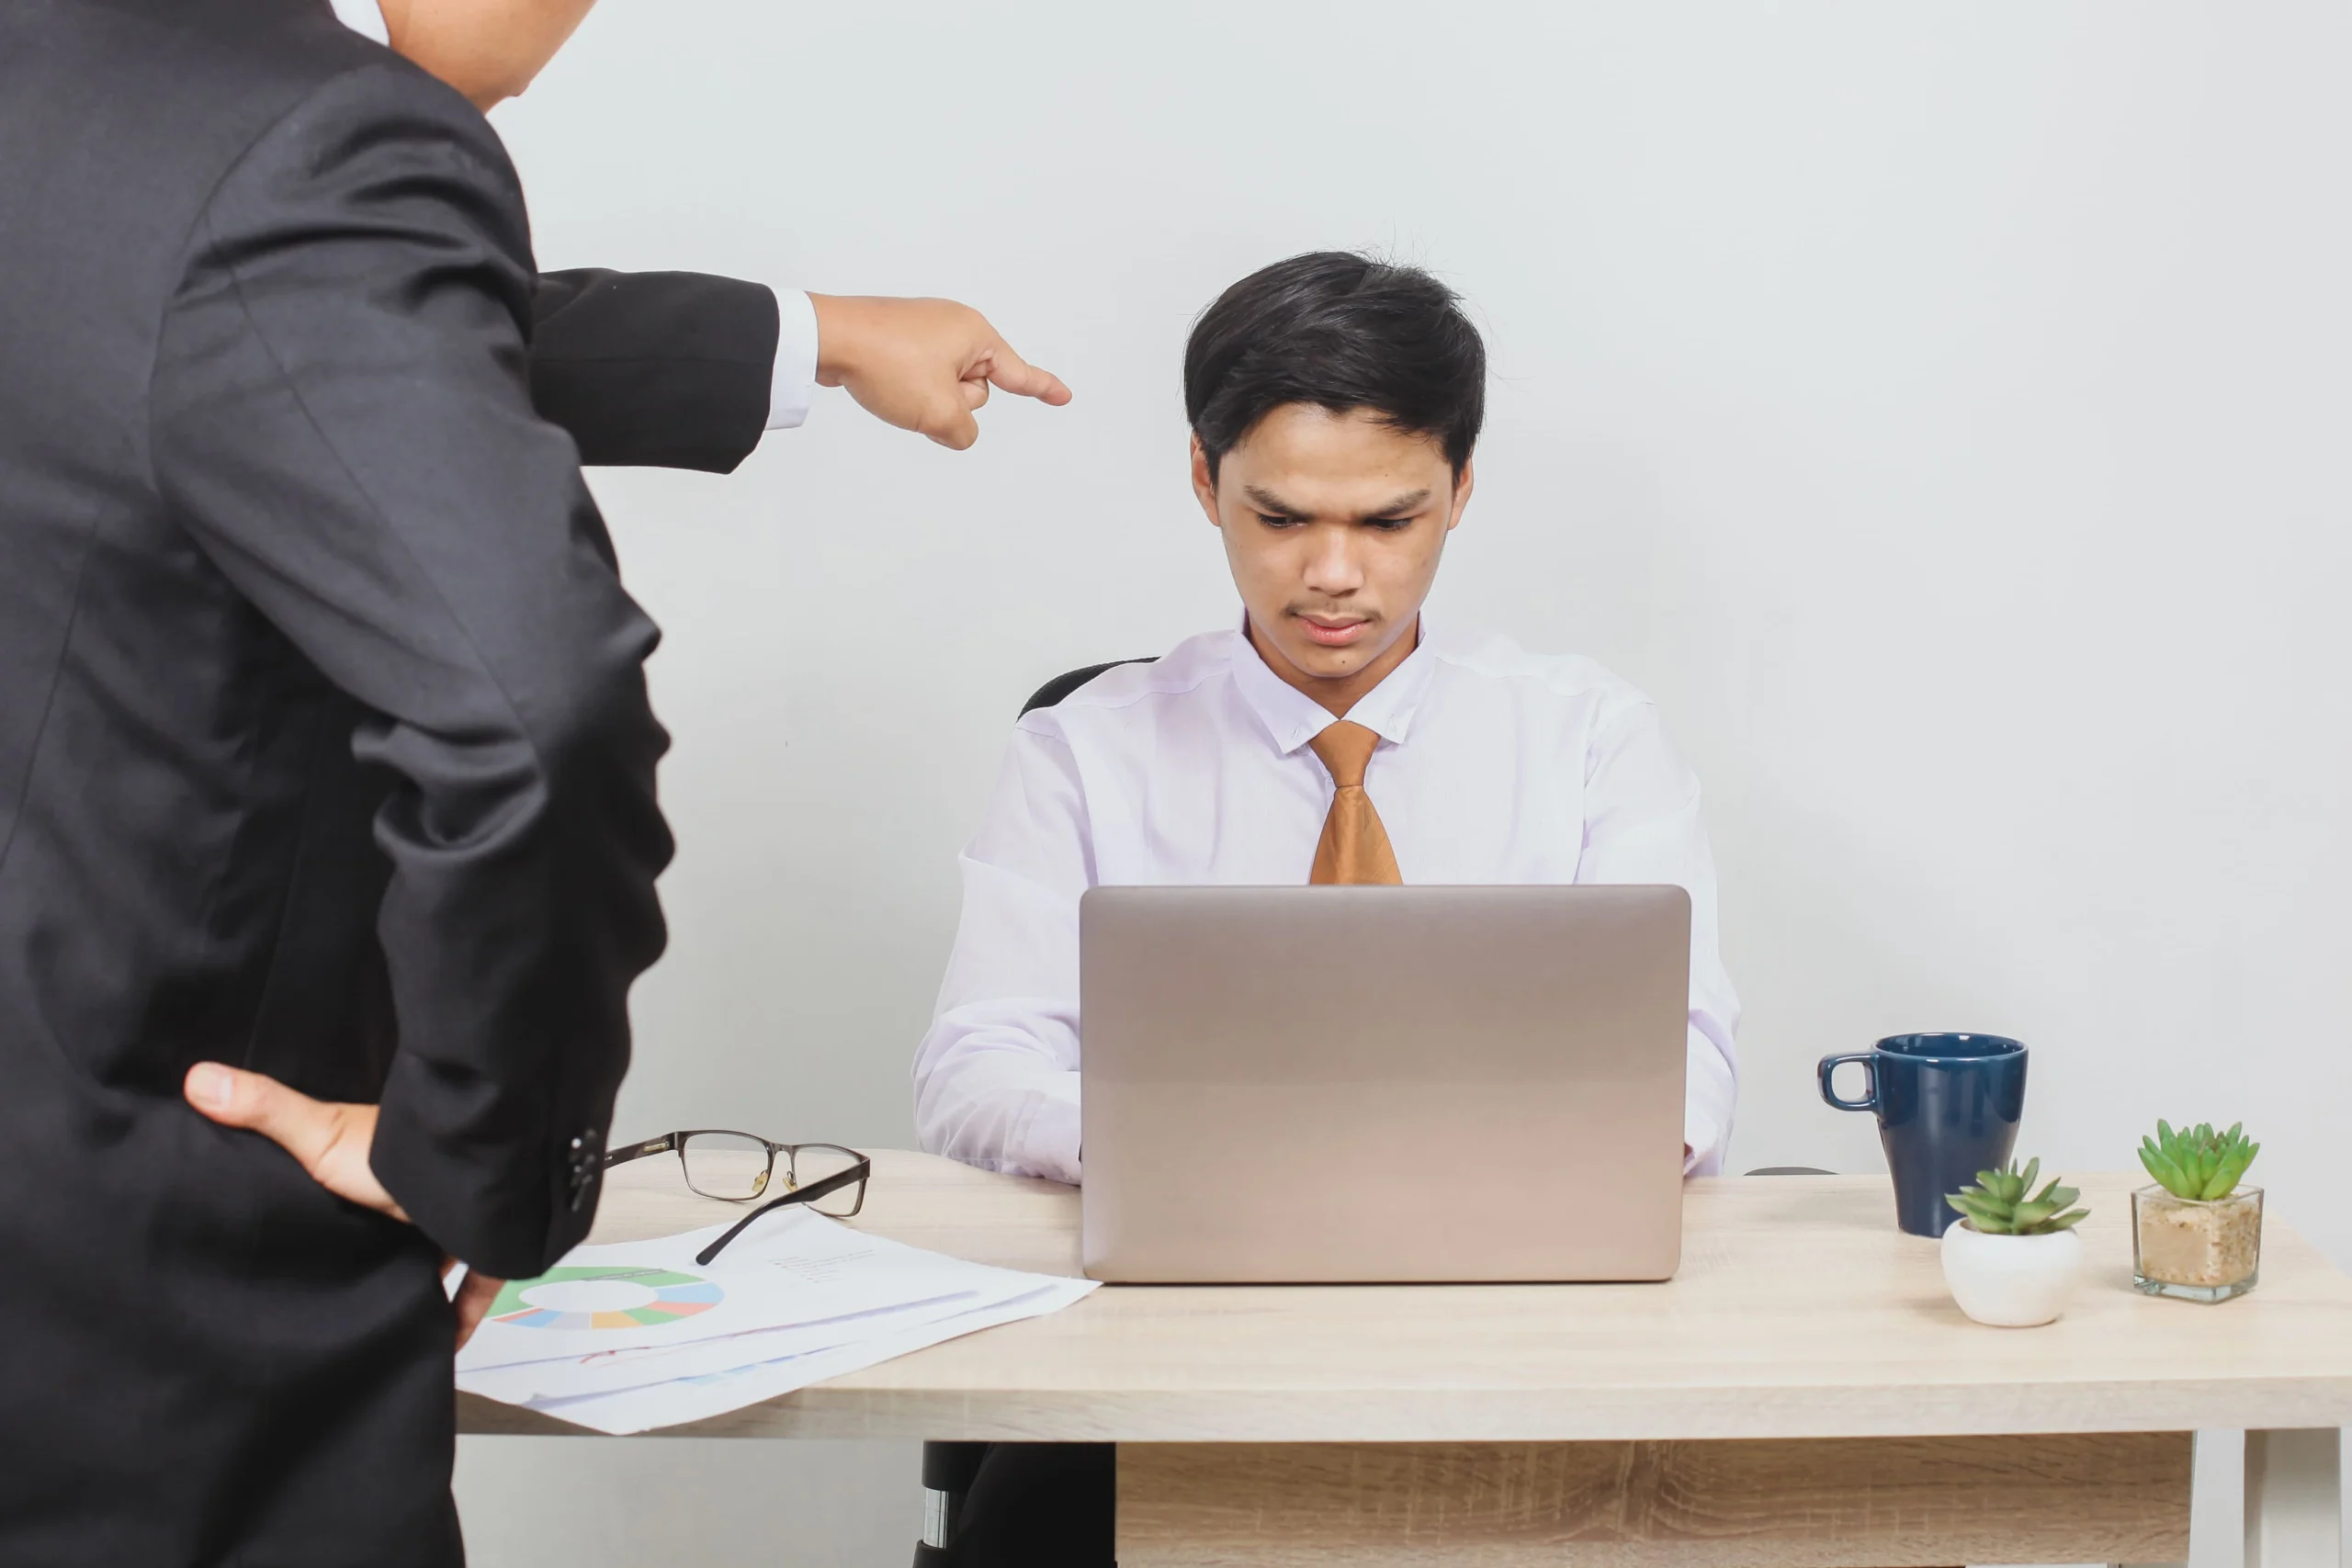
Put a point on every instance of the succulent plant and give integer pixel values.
(2198, 1162)
(1998, 1205)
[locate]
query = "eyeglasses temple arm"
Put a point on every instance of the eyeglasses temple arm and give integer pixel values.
(807, 1194)
(660, 1146)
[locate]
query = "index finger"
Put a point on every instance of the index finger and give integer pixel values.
(1015, 373)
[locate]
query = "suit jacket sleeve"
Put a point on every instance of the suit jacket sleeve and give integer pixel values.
(654, 369)
(340, 413)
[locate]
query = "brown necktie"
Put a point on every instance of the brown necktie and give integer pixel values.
(1354, 846)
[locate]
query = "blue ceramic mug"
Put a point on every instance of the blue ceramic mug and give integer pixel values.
(1948, 1107)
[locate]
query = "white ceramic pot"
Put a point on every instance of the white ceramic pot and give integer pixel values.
(2011, 1281)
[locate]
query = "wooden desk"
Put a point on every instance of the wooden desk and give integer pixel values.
(1612, 1424)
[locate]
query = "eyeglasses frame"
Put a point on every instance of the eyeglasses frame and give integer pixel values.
(859, 1174)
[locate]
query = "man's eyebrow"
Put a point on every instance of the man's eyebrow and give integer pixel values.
(1273, 505)
(1269, 503)
(1411, 500)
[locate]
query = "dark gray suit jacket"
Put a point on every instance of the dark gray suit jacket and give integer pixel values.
(325, 750)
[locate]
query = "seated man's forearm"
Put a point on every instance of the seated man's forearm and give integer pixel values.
(1708, 1100)
(1000, 1107)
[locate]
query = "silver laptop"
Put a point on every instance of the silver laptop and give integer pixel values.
(1326, 1084)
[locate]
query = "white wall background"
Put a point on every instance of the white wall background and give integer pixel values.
(1941, 410)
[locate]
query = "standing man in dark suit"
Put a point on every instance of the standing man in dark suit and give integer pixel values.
(324, 749)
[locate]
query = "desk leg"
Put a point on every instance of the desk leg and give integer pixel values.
(2294, 1516)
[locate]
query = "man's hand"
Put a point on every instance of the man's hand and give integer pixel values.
(475, 1292)
(922, 364)
(330, 1141)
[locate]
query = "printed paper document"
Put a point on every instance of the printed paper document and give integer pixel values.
(631, 1336)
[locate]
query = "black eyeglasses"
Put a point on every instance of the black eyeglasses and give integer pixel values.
(736, 1167)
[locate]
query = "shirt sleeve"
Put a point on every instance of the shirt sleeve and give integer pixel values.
(340, 420)
(996, 1079)
(1642, 826)
(793, 387)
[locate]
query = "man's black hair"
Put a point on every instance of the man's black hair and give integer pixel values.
(1344, 332)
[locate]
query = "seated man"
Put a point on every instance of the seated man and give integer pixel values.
(1331, 736)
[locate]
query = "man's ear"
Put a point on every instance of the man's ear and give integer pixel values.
(1461, 488)
(1204, 487)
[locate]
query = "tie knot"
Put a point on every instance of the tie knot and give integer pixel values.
(1346, 749)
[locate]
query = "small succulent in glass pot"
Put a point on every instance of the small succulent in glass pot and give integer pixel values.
(2013, 1260)
(2197, 1234)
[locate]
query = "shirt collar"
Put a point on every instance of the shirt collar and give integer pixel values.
(363, 17)
(1292, 718)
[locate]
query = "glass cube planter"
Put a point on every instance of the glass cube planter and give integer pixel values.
(2196, 1251)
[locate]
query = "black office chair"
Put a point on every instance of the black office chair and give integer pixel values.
(1061, 686)
(949, 1469)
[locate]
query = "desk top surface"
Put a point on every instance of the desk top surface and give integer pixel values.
(1800, 1311)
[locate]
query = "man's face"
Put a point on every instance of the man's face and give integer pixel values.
(1334, 524)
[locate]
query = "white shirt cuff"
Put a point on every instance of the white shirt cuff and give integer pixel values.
(1049, 1143)
(795, 387)
(1704, 1140)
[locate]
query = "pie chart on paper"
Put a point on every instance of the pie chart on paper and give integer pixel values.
(610, 1296)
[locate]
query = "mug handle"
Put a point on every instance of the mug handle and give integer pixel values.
(1870, 1071)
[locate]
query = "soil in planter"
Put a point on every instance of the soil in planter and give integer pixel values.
(2198, 1244)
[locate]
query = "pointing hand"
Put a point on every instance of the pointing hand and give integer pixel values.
(923, 365)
